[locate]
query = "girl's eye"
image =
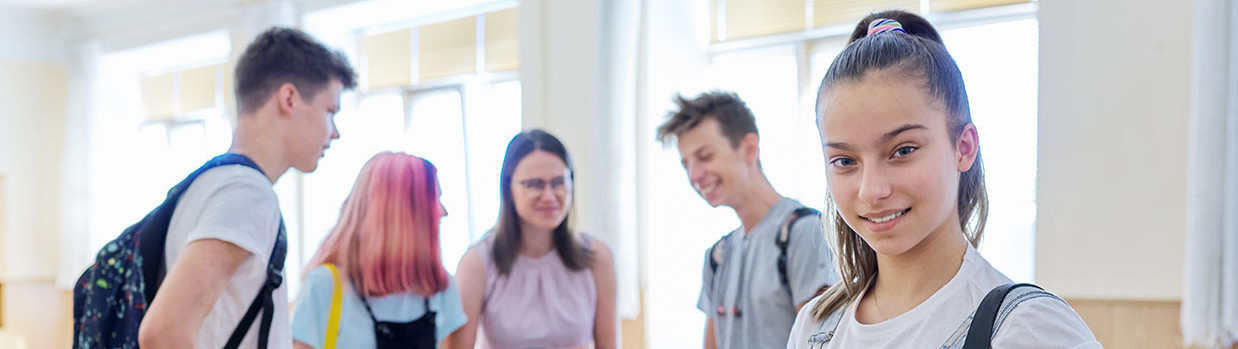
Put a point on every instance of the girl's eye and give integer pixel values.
(904, 151)
(842, 162)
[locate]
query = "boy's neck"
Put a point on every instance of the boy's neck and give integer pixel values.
(753, 206)
(258, 140)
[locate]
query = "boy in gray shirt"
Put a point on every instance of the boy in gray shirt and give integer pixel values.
(756, 278)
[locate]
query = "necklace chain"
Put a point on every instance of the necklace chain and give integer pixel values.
(878, 307)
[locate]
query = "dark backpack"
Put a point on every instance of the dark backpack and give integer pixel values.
(980, 332)
(111, 297)
(718, 251)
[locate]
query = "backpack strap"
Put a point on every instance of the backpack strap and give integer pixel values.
(784, 238)
(826, 329)
(980, 332)
(716, 254)
(333, 319)
(264, 302)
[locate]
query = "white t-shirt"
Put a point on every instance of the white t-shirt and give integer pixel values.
(1044, 322)
(235, 204)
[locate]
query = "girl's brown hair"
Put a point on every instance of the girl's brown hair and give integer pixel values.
(507, 233)
(918, 54)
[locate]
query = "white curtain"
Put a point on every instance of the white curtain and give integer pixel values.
(614, 154)
(74, 244)
(1210, 298)
(578, 72)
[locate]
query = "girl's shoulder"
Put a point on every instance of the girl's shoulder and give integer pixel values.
(808, 332)
(320, 276)
(593, 243)
(482, 248)
(1028, 313)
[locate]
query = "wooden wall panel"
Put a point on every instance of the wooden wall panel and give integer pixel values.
(632, 332)
(45, 313)
(1132, 324)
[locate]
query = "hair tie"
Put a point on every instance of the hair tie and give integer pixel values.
(882, 25)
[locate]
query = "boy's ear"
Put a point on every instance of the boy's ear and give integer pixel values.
(751, 148)
(285, 98)
(968, 147)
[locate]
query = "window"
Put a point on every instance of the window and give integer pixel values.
(999, 65)
(142, 146)
(460, 119)
(156, 121)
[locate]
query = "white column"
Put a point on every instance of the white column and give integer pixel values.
(578, 70)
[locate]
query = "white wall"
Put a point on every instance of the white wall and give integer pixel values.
(33, 90)
(1114, 110)
(30, 34)
(34, 84)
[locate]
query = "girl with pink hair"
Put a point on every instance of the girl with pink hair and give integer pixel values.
(384, 256)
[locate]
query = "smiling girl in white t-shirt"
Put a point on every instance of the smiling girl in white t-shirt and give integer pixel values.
(908, 205)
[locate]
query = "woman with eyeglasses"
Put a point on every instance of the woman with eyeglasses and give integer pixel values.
(534, 282)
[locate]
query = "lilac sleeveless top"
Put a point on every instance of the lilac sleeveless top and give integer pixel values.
(540, 304)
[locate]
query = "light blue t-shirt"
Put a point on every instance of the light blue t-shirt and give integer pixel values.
(313, 305)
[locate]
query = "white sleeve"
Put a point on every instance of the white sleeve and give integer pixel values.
(240, 207)
(1043, 322)
(703, 302)
(804, 326)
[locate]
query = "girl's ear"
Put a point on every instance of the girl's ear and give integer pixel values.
(968, 147)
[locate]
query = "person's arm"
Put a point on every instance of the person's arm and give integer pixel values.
(471, 279)
(709, 334)
(192, 286)
(311, 310)
(810, 265)
(605, 322)
(296, 344)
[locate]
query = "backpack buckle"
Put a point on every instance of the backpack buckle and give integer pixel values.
(274, 278)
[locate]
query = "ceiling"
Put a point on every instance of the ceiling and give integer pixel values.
(49, 3)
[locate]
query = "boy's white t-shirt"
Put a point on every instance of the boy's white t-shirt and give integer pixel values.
(236, 204)
(1043, 322)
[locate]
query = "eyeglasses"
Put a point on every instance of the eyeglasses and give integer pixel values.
(537, 185)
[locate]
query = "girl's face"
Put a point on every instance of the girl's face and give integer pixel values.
(541, 187)
(892, 170)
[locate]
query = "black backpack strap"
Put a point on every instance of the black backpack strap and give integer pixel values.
(264, 302)
(980, 332)
(716, 253)
(784, 238)
(151, 242)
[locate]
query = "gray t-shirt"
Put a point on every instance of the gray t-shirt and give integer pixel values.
(747, 280)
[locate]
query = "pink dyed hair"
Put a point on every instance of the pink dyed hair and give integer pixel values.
(387, 239)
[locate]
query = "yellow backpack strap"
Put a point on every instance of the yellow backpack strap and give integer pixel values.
(333, 321)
